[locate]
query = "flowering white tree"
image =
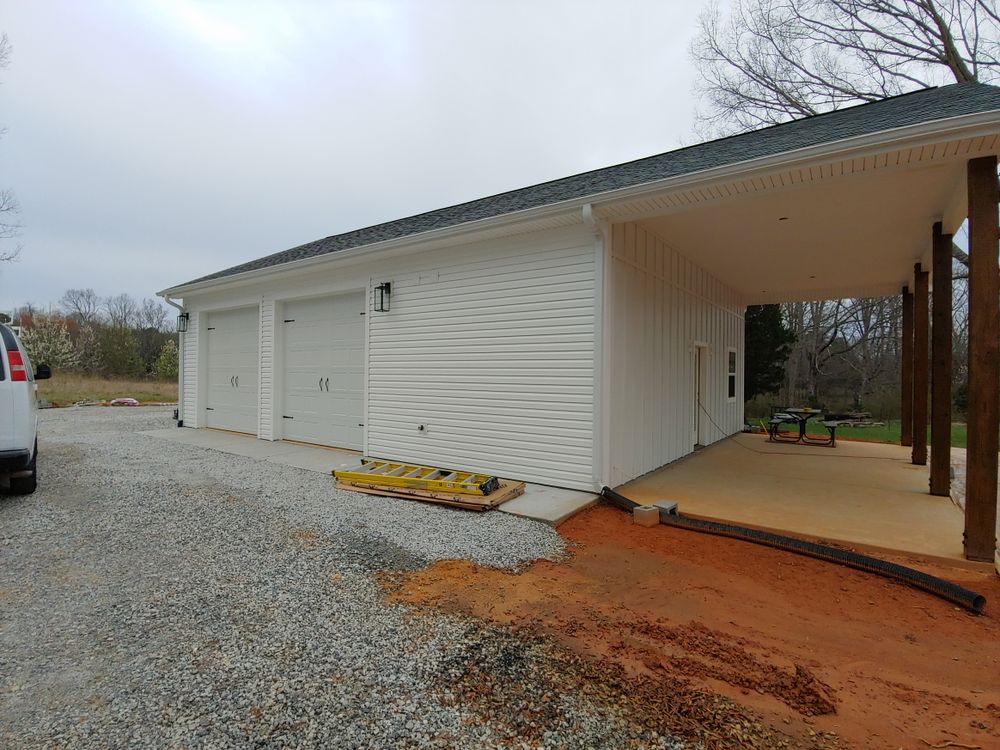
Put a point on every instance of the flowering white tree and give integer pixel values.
(167, 362)
(48, 341)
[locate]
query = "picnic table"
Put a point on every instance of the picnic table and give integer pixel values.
(799, 415)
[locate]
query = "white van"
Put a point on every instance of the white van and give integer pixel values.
(18, 416)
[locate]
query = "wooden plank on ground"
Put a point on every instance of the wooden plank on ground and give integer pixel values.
(508, 491)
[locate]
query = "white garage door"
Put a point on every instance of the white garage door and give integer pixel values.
(231, 402)
(324, 370)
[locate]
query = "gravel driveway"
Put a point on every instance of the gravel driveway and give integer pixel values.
(159, 595)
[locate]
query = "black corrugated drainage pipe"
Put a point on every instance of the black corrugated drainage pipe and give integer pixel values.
(952, 592)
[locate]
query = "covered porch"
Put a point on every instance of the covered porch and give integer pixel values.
(858, 494)
(866, 216)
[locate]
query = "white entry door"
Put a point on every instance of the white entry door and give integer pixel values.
(323, 347)
(233, 364)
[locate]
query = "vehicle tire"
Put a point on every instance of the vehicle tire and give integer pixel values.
(26, 485)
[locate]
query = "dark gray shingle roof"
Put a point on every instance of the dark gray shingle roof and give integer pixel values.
(908, 109)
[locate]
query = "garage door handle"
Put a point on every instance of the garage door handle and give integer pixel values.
(328, 385)
(321, 383)
(237, 381)
(232, 378)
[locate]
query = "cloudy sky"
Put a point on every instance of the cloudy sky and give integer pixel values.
(153, 142)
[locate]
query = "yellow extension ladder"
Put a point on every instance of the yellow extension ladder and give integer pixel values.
(411, 476)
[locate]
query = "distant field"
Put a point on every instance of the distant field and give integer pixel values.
(63, 389)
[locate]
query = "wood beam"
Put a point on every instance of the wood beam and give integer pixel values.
(941, 364)
(984, 361)
(906, 374)
(921, 361)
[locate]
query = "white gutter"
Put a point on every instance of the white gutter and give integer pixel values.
(964, 126)
(180, 361)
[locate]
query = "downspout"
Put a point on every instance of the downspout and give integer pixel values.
(180, 364)
(602, 460)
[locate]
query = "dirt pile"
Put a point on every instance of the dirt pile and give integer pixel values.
(792, 650)
(502, 685)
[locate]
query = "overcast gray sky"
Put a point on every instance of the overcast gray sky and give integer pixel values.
(153, 142)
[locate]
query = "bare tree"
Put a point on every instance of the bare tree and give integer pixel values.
(152, 315)
(769, 61)
(82, 304)
(25, 315)
(10, 230)
(845, 351)
(871, 337)
(818, 327)
(122, 311)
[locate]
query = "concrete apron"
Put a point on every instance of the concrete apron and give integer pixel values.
(551, 505)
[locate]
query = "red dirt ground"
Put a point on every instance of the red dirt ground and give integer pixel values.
(826, 655)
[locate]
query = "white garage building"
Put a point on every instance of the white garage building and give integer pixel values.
(584, 331)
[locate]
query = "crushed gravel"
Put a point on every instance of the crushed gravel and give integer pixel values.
(160, 595)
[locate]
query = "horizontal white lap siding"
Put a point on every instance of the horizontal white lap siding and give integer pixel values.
(661, 304)
(189, 409)
(493, 352)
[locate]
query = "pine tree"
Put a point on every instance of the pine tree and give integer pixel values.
(767, 343)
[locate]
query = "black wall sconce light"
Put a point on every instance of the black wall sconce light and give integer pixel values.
(182, 323)
(382, 292)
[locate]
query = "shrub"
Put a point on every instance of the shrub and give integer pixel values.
(166, 363)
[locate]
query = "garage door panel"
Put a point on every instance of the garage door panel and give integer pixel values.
(323, 370)
(233, 362)
(347, 360)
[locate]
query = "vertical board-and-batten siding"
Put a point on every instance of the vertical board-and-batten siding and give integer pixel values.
(265, 410)
(492, 350)
(661, 305)
(189, 409)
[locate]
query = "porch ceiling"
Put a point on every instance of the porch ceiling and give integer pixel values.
(841, 228)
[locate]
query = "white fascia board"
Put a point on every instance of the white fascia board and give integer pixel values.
(914, 136)
(513, 219)
(962, 126)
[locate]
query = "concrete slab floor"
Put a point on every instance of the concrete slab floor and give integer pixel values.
(860, 493)
(308, 457)
(550, 505)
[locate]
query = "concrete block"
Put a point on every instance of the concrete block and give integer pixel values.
(668, 505)
(646, 515)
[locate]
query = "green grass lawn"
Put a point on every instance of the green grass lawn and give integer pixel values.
(888, 433)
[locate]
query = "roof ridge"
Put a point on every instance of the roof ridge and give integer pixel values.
(640, 159)
(866, 118)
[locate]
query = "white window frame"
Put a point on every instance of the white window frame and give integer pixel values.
(732, 356)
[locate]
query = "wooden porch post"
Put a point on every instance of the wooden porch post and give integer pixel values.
(984, 362)
(941, 365)
(920, 366)
(906, 375)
